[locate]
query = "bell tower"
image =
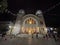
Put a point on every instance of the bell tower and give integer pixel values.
(41, 22)
(17, 26)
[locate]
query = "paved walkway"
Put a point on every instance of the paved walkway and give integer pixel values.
(28, 41)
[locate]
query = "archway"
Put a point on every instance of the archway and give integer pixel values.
(30, 25)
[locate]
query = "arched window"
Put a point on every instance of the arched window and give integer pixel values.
(41, 22)
(30, 21)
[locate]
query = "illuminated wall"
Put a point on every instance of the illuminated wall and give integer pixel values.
(29, 23)
(16, 29)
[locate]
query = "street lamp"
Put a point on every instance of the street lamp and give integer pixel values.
(51, 28)
(10, 26)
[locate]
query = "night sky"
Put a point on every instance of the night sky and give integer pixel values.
(52, 17)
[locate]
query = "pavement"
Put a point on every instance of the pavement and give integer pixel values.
(28, 41)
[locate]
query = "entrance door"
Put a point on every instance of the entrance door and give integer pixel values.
(30, 30)
(30, 25)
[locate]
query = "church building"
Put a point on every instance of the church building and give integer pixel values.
(28, 24)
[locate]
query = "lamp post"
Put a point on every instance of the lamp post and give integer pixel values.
(10, 27)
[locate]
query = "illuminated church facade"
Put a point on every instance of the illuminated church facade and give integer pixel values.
(28, 24)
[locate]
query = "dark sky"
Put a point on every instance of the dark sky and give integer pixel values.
(52, 17)
(33, 5)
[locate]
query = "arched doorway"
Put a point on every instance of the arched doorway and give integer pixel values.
(30, 25)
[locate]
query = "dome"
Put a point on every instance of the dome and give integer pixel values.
(21, 11)
(38, 12)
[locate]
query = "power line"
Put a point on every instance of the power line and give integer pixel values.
(49, 9)
(10, 12)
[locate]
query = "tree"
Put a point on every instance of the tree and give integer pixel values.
(3, 5)
(3, 28)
